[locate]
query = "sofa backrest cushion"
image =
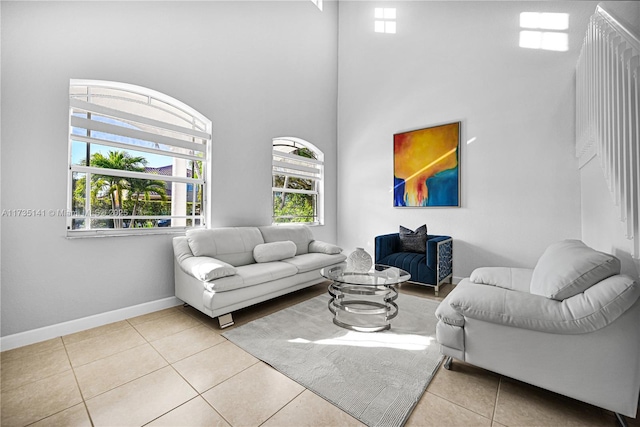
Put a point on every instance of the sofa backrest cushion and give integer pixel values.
(570, 267)
(233, 245)
(274, 251)
(299, 234)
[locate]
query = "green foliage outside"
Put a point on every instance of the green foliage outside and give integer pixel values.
(294, 207)
(111, 195)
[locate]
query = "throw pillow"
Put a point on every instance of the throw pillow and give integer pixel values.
(324, 248)
(274, 251)
(413, 241)
(207, 269)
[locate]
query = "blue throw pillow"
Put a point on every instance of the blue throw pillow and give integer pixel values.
(413, 241)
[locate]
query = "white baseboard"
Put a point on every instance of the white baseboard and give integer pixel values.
(48, 332)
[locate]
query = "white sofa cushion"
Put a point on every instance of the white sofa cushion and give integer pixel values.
(324, 248)
(274, 251)
(314, 261)
(569, 267)
(518, 279)
(252, 274)
(299, 234)
(233, 245)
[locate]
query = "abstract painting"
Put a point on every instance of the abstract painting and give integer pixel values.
(426, 167)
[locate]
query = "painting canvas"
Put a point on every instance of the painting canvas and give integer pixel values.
(426, 167)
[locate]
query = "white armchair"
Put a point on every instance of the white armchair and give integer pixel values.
(571, 325)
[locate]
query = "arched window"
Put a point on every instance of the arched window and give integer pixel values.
(298, 181)
(138, 161)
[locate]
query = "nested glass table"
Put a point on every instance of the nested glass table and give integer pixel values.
(364, 302)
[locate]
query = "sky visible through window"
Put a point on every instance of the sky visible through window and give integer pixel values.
(79, 153)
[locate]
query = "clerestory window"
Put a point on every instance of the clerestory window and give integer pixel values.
(298, 181)
(554, 38)
(138, 161)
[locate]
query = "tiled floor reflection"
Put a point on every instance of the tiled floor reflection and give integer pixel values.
(173, 368)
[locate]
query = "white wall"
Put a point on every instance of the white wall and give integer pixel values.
(601, 225)
(257, 69)
(451, 61)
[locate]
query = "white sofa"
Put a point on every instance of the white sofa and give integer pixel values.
(570, 325)
(220, 270)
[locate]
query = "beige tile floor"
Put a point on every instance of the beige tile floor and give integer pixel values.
(173, 368)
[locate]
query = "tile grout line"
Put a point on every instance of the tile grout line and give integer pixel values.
(225, 380)
(457, 404)
(106, 357)
(495, 405)
(40, 378)
(146, 342)
(182, 330)
(286, 404)
(102, 338)
(97, 327)
(199, 394)
(168, 312)
(75, 377)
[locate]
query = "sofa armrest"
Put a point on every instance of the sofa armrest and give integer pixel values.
(206, 268)
(586, 312)
(517, 279)
(439, 255)
(386, 244)
(447, 313)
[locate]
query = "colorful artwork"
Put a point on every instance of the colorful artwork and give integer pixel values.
(426, 166)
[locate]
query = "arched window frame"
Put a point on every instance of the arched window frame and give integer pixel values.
(296, 166)
(128, 115)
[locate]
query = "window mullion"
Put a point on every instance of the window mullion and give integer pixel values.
(295, 175)
(126, 146)
(136, 175)
(293, 190)
(87, 200)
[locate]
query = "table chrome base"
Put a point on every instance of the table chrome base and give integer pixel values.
(366, 311)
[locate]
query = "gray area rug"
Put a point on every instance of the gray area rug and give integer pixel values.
(377, 378)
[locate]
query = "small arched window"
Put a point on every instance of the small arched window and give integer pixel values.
(138, 161)
(298, 181)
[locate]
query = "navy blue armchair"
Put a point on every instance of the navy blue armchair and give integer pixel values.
(431, 268)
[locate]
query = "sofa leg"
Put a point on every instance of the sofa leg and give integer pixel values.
(225, 320)
(622, 421)
(447, 363)
(437, 289)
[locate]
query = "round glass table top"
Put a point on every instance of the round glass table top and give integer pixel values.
(379, 275)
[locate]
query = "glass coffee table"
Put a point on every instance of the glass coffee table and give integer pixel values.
(364, 302)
